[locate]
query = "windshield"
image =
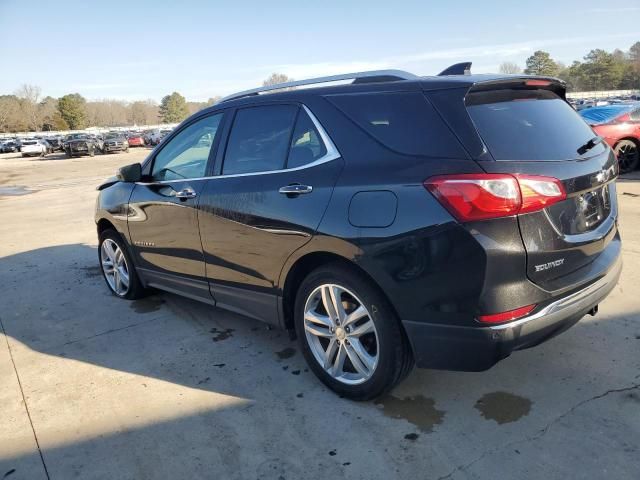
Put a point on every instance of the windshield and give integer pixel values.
(600, 115)
(529, 125)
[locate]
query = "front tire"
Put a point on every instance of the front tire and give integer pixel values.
(628, 155)
(117, 267)
(349, 334)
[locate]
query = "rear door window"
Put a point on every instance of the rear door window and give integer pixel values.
(259, 139)
(529, 125)
(404, 122)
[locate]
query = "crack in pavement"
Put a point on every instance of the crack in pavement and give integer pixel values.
(540, 433)
(24, 400)
(107, 332)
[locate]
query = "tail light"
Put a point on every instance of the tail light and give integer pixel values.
(470, 197)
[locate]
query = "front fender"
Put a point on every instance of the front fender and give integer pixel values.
(112, 205)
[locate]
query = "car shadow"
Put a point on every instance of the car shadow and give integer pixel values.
(250, 399)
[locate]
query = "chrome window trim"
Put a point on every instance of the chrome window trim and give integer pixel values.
(332, 154)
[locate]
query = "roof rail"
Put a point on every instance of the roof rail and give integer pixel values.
(358, 77)
(463, 68)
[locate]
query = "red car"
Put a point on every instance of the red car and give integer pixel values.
(136, 140)
(619, 125)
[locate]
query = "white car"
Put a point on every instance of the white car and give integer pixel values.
(33, 148)
(157, 135)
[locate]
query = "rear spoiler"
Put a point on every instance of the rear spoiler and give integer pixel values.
(463, 68)
(557, 86)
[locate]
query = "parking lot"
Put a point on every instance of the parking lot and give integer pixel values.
(95, 387)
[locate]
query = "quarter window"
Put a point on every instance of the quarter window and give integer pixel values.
(186, 154)
(259, 139)
(306, 144)
(405, 122)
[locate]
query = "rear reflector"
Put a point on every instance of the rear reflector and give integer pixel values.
(470, 197)
(506, 316)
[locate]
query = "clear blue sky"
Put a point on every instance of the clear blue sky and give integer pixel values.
(146, 49)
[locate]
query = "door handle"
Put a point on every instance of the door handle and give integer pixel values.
(185, 193)
(295, 189)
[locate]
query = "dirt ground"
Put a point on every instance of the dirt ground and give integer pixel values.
(95, 387)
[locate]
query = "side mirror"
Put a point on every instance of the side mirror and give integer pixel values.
(130, 173)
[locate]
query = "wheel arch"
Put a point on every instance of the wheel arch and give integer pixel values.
(633, 139)
(304, 265)
(103, 224)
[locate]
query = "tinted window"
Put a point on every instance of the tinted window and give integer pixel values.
(529, 125)
(186, 154)
(259, 139)
(306, 144)
(635, 115)
(405, 122)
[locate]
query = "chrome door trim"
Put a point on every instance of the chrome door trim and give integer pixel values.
(332, 154)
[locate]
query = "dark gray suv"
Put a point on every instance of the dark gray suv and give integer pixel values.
(444, 221)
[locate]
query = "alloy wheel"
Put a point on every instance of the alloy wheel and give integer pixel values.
(341, 334)
(114, 267)
(628, 154)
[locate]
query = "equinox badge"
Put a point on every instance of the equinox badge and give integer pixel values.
(549, 265)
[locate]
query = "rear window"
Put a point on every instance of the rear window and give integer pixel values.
(405, 122)
(529, 125)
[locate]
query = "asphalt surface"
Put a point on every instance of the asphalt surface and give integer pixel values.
(95, 387)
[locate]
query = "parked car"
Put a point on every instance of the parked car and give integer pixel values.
(115, 142)
(619, 125)
(136, 140)
(79, 144)
(11, 146)
(32, 147)
(157, 135)
(99, 141)
(147, 136)
(55, 143)
(444, 221)
(46, 143)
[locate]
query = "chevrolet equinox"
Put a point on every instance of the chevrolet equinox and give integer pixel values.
(386, 220)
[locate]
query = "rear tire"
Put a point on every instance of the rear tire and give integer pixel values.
(117, 267)
(375, 341)
(628, 155)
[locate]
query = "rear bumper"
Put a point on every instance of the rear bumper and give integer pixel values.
(479, 348)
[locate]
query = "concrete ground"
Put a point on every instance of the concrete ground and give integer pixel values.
(95, 387)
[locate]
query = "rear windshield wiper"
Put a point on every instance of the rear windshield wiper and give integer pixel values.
(582, 149)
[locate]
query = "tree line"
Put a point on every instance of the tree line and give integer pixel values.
(28, 110)
(598, 70)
